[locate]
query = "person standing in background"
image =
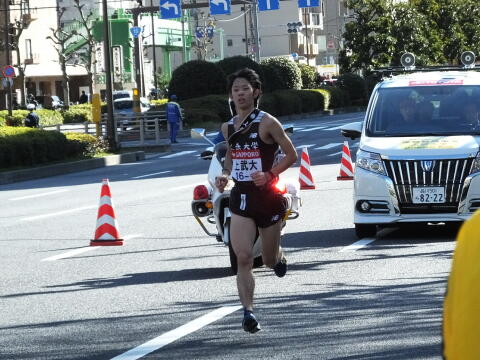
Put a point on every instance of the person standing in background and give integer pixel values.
(174, 116)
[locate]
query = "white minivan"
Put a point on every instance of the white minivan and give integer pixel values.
(418, 158)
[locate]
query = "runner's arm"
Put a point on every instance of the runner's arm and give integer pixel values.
(276, 132)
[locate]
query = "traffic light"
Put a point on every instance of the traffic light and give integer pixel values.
(294, 27)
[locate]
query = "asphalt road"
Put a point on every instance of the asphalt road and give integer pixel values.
(169, 293)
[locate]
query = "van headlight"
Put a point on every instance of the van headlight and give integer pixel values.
(370, 161)
(476, 164)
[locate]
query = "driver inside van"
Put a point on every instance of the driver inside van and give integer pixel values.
(405, 120)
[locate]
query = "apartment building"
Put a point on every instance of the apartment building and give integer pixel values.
(275, 40)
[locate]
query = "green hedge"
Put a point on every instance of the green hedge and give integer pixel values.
(309, 76)
(337, 97)
(47, 117)
(214, 108)
(232, 64)
(20, 146)
(281, 73)
(77, 114)
(355, 86)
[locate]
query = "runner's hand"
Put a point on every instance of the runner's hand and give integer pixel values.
(221, 182)
(260, 178)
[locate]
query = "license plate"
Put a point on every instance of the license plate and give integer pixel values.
(428, 195)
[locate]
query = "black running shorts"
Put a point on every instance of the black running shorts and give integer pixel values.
(265, 206)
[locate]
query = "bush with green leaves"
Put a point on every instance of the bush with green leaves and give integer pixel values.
(77, 114)
(49, 117)
(289, 102)
(197, 78)
(84, 145)
(22, 146)
(206, 109)
(355, 86)
(232, 64)
(337, 97)
(309, 76)
(281, 73)
(17, 118)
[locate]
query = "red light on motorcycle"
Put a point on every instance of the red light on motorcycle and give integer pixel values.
(281, 187)
(200, 192)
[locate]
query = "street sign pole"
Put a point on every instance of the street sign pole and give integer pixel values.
(255, 25)
(108, 79)
(7, 53)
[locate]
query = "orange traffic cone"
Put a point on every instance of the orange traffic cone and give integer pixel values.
(305, 177)
(346, 167)
(107, 233)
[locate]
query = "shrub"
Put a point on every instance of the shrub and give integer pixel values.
(49, 117)
(84, 145)
(17, 118)
(77, 114)
(281, 73)
(158, 102)
(211, 108)
(288, 102)
(197, 78)
(337, 97)
(355, 86)
(309, 75)
(26, 146)
(231, 64)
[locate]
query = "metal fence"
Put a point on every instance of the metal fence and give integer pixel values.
(142, 127)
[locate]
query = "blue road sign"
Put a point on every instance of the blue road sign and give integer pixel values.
(308, 3)
(265, 5)
(136, 31)
(8, 71)
(199, 32)
(170, 9)
(219, 7)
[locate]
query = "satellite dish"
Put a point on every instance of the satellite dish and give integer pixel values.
(468, 58)
(407, 60)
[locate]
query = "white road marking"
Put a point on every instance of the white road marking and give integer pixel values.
(313, 129)
(307, 146)
(335, 128)
(84, 249)
(191, 186)
(152, 174)
(297, 129)
(43, 216)
(178, 154)
(70, 253)
(38, 195)
(337, 153)
(358, 245)
(171, 336)
(328, 146)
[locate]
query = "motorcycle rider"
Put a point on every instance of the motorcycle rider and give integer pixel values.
(253, 139)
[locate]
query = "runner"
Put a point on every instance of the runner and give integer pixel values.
(253, 139)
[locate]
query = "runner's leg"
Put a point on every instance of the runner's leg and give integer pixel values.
(243, 231)
(271, 250)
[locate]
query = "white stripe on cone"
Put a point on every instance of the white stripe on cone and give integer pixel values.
(106, 219)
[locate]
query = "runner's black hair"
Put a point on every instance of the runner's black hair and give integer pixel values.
(248, 74)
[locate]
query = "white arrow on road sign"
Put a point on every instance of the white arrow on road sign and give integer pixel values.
(167, 6)
(218, 2)
(265, 5)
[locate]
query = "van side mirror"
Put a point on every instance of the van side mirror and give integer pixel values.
(352, 130)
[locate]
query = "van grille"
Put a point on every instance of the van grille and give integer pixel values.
(409, 173)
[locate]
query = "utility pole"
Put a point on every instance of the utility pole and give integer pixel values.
(108, 78)
(254, 12)
(246, 28)
(184, 45)
(155, 82)
(8, 54)
(306, 36)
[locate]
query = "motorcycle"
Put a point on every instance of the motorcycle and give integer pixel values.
(208, 202)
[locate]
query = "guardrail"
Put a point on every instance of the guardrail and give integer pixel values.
(141, 127)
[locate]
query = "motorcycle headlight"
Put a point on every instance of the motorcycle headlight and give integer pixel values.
(370, 161)
(476, 164)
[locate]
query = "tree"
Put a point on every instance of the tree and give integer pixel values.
(368, 40)
(16, 30)
(87, 59)
(60, 38)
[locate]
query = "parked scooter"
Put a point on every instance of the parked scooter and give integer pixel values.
(210, 203)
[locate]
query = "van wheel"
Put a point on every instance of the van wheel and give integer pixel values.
(365, 230)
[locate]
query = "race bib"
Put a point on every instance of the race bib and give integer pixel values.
(245, 163)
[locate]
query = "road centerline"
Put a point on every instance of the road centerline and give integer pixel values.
(175, 334)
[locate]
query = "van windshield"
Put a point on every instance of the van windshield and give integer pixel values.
(425, 110)
(123, 104)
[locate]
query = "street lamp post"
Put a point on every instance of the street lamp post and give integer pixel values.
(7, 55)
(108, 78)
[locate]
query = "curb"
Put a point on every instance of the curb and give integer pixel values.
(14, 176)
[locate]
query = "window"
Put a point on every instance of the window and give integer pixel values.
(229, 42)
(28, 49)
